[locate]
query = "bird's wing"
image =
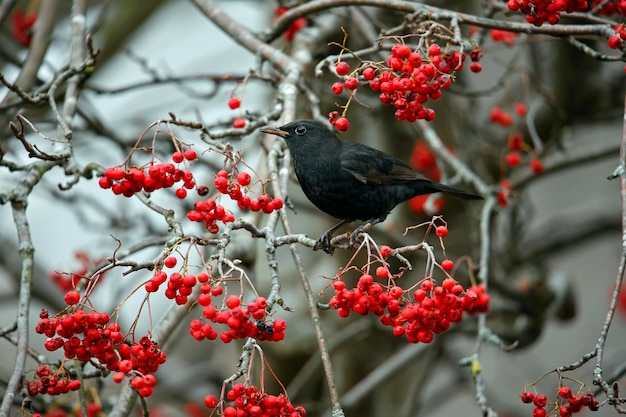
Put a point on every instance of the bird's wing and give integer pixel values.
(373, 167)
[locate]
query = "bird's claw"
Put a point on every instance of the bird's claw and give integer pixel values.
(323, 243)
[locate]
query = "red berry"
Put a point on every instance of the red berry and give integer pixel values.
(234, 103)
(342, 124)
(351, 83)
(239, 122)
(385, 251)
(233, 301)
(565, 392)
(243, 178)
(72, 297)
(181, 193)
(540, 400)
(520, 109)
(434, 49)
(527, 397)
(336, 88)
(539, 412)
(210, 401)
(382, 272)
(369, 73)
(105, 182)
(177, 157)
(513, 159)
(516, 141)
(114, 173)
(170, 262)
(447, 264)
(475, 67)
(536, 165)
(342, 68)
(441, 231)
(190, 155)
(400, 51)
(615, 42)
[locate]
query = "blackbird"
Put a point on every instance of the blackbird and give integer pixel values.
(349, 180)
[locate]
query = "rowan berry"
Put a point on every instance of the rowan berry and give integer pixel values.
(243, 178)
(239, 123)
(336, 88)
(342, 124)
(190, 155)
(475, 67)
(211, 401)
(516, 141)
(447, 264)
(382, 272)
(233, 301)
(540, 400)
(434, 50)
(565, 392)
(520, 109)
(342, 68)
(177, 157)
(234, 103)
(72, 298)
(539, 412)
(369, 73)
(513, 159)
(170, 262)
(351, 83)
(181, 193)
(536, 166)
(441, 231)
(615, 42)
(385, 251)
(527, 397)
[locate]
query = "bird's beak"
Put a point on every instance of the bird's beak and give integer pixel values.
(275, 131)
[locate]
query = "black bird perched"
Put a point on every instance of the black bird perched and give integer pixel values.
(349, 180)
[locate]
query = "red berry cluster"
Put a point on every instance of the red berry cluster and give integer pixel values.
(568, 403)
(610, 7)
(133, 180)
(407, 82)
(249, 401)
(432, 311)
(52, 383)
(513, 158)
(540, 11)
(87, 336)
(250, 321)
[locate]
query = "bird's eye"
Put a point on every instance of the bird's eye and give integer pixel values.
(300, 130)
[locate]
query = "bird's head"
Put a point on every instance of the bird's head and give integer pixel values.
(303, 133)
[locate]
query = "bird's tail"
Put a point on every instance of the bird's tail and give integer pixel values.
(446, 189)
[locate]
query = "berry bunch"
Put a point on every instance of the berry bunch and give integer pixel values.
(250, 321)
(52, 383)
(503, 36)
(232, 188)
(433, 309)
(249, 401)
(540, 11)
(88, 336)
(134, 179)
(407, 81)
(567, 403)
